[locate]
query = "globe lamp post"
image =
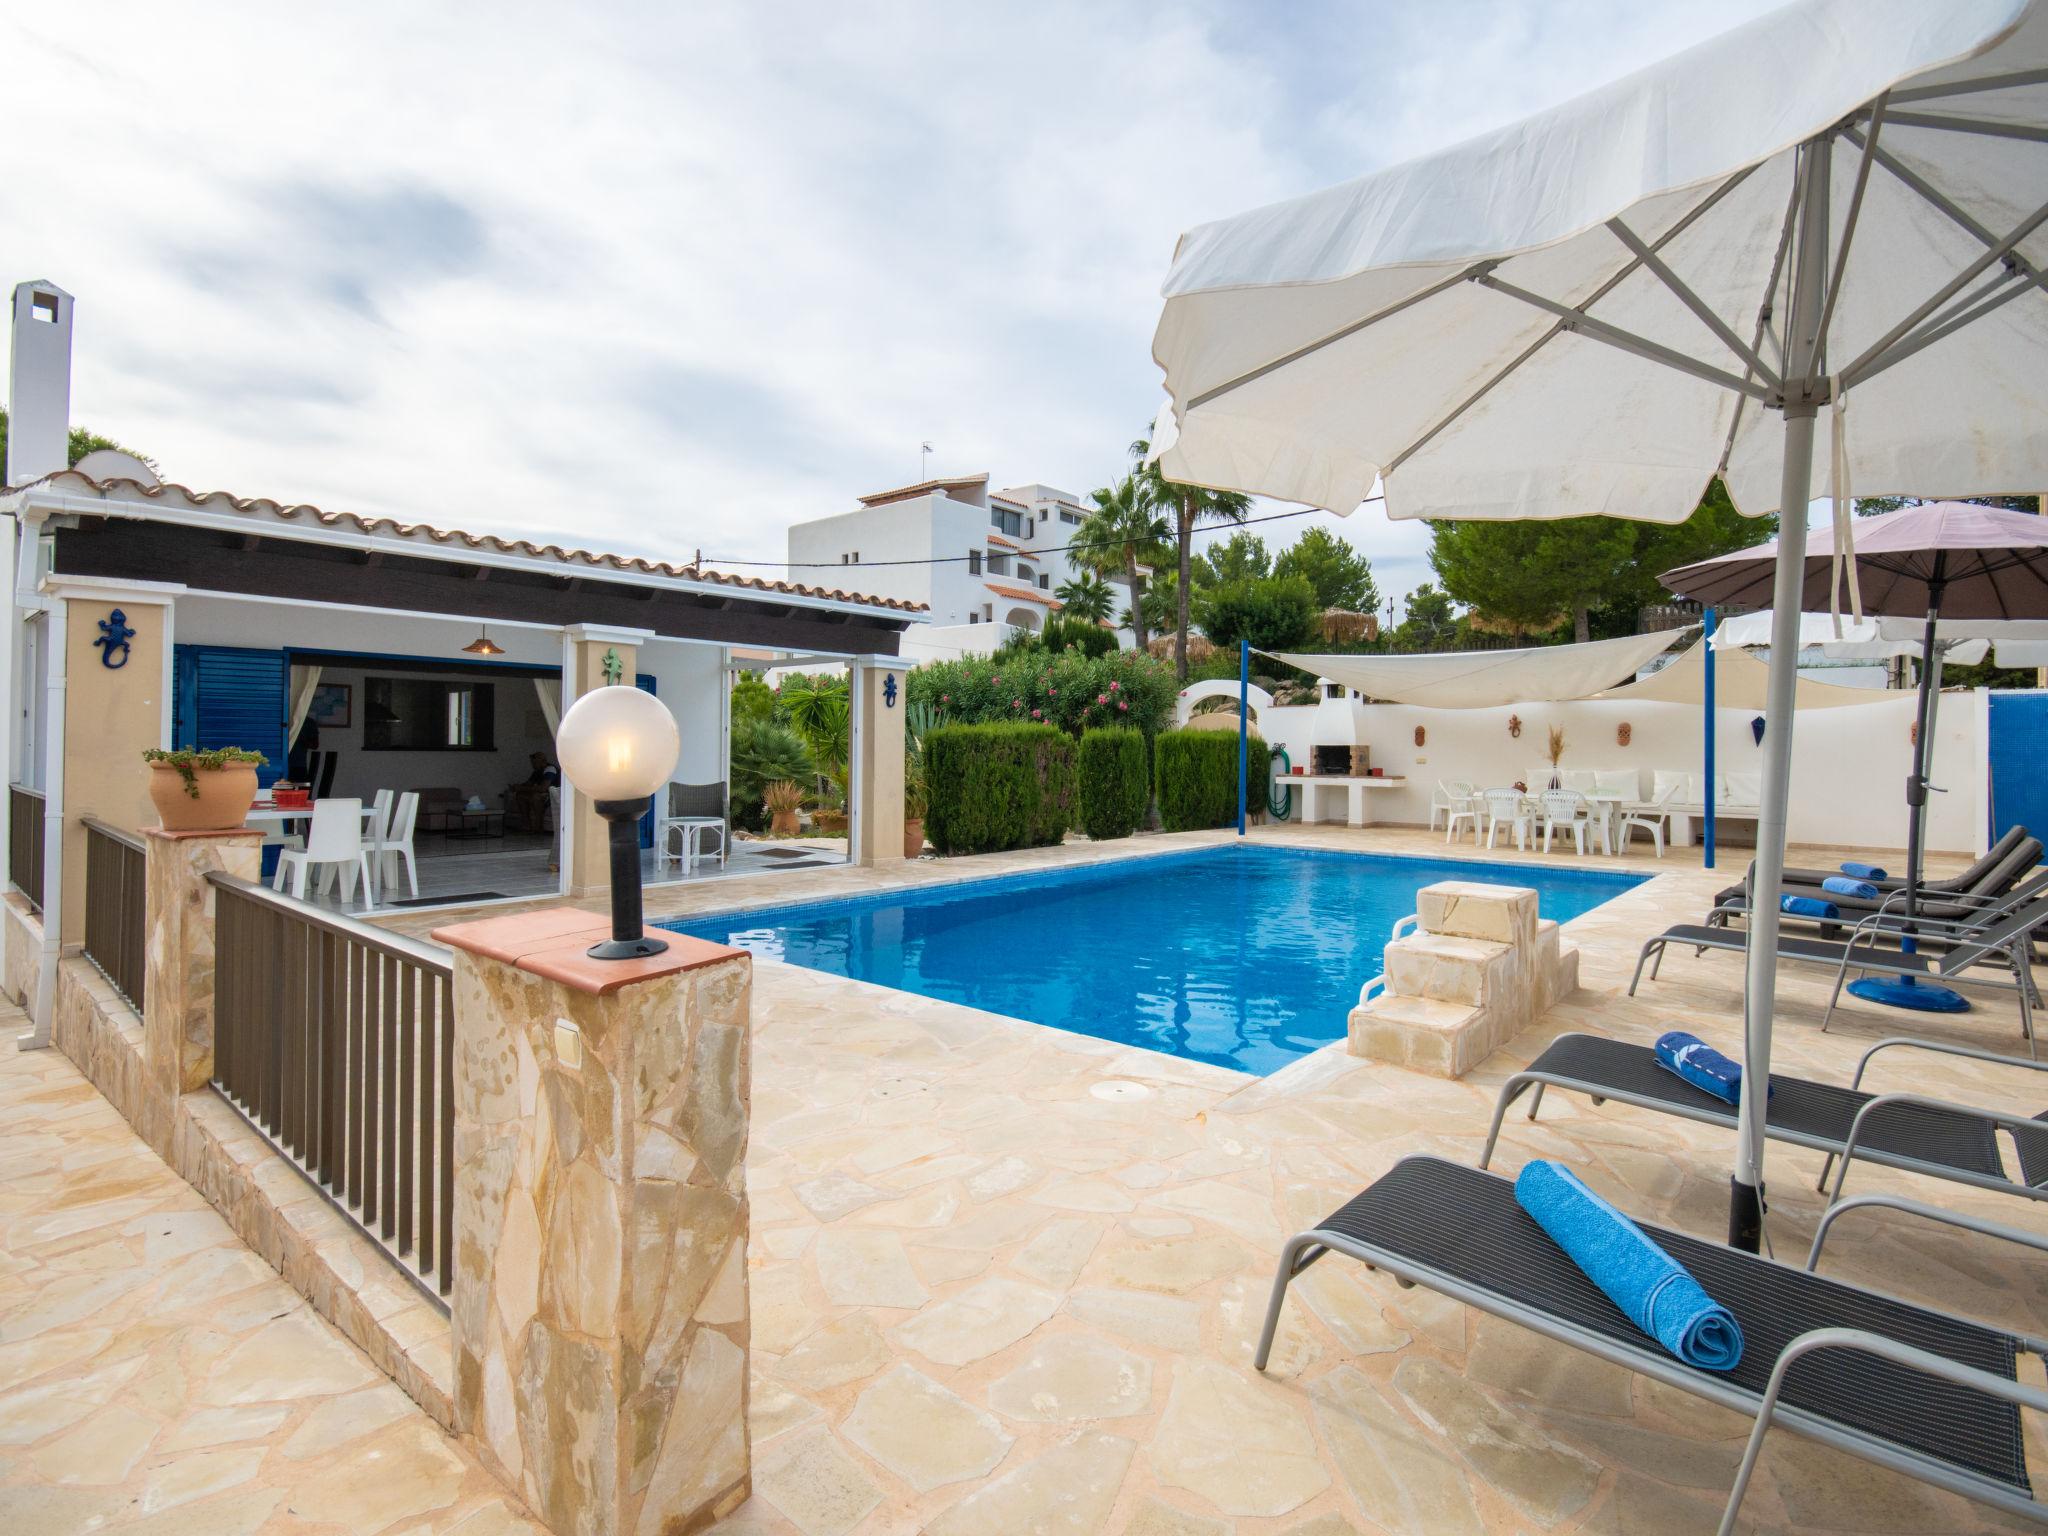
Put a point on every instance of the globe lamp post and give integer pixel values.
(618, 745)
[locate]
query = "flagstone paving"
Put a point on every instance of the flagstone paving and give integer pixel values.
(990, 1300)
(156, 1377)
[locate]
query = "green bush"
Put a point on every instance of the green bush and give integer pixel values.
(1069, 690)
(1062, 630)
(1197, 778)
(992, 787)
(1115, 782)
(763, 750)
(1275, 613)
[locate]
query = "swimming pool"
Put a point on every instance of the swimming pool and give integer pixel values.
(1247, 956)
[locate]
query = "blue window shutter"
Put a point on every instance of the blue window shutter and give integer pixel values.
(229, 697)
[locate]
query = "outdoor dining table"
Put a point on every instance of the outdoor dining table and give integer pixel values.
(263, 816)
(1601, 806)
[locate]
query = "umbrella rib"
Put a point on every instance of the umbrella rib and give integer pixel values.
(2001, 291)
(1763, 317)
(1869, 158)
(1692, 301)
(1978, 125)
(1943, 294)
(1577, 320)
(1927, 191)
(1336, 336)
(1971, 87)
(1557, 330)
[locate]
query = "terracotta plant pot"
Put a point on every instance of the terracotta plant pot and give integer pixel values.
(833, 822)
(783, 824)
(913, 837)
(225, 795)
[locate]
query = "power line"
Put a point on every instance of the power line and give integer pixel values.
(1046, 549)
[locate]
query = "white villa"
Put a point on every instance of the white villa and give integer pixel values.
(995, 557)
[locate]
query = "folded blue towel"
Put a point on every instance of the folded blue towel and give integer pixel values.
(1809, 906)
(1656, 1292)
(1843, 885)
(1700, 1064)
(1864, 871)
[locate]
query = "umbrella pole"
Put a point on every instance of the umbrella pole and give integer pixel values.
(1746, 1189)
(1910, 991)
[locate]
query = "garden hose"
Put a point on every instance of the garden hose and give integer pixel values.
(1280, 797)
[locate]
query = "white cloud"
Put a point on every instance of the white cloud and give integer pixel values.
(661, 278)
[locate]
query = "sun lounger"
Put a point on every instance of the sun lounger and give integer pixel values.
(1933, 1396)
(2002, 936)
(1909, 1131)
(1999, 878)
(2009, 840)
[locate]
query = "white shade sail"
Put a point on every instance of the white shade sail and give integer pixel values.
(1740, 682)
(2014, 642)
(1518, 326)
(1483, 679)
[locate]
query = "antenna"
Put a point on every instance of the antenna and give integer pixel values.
(924, 453)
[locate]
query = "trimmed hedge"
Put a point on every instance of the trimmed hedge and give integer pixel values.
(1115, 784)
(1197, 777)
(992, 787)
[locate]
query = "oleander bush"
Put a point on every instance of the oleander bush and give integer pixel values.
(993, 787)
(1115, 782)
(1067, 689)
(1196, 774)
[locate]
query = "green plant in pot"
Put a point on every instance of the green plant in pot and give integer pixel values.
(782, 800)
(195, 791)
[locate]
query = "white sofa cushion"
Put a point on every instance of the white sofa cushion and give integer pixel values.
(1746, 789)
(1625, 782)
(1687, 784)
(1581, 779)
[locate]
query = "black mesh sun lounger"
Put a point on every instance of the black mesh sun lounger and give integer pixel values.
(1933, 1396)
(2009, 840)
(1999, 878)
(1900, 1130)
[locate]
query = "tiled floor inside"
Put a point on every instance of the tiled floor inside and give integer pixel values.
(1005, 1279)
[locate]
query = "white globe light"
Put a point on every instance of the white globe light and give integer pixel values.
(618, 744)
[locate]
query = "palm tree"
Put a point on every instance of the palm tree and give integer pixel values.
(1123, 532)
(1189, 505)
(1087, 596)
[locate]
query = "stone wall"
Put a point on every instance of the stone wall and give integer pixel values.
(21, 947)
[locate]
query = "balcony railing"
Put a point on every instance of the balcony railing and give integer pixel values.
(116, 920)
(25, 842)
(335, 1039)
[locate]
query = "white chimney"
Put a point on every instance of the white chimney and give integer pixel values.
(39, 385)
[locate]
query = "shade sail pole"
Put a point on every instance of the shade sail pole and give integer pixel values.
(1244, 725)
(1707, 661)
(1802, 401)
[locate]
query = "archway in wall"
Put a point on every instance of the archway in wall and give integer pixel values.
(1023, 618)
(1218, 688)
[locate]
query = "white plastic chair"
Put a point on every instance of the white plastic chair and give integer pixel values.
(1460, 806)
(396, 844)
(334, 842)
(1507, 807)
(1651, 818)
(1564, 808)
(1449, 795)
(376, 827)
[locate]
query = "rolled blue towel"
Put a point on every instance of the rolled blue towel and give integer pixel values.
(1650, 1286)
(1843, 885)
(1809, 906)
(1864, 871)
(1700, 1064)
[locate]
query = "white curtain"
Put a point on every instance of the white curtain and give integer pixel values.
(550, 691)
(304, 681)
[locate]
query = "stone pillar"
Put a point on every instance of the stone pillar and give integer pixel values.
(600, 1284)
(592, 650)
(177, 1012)
(880, 699)
(111, 714)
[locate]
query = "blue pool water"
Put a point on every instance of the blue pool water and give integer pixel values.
(1244, 956)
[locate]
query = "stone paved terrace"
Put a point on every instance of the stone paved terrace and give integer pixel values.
(990, 1299)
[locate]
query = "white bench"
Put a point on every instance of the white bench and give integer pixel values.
(1318, 791)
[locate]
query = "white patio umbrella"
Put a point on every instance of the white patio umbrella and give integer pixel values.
(1838, 206)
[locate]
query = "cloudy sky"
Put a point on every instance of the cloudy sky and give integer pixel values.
(659, 278)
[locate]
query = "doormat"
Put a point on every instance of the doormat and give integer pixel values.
(459, 899)
(790, 853)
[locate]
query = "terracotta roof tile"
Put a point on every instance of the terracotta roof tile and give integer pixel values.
(425, 533)
(1024, 594)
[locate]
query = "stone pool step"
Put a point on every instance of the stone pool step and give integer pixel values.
(1480, 968)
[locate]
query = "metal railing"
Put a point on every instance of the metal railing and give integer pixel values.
(25, 842)
(116, 914)
(335, 1040)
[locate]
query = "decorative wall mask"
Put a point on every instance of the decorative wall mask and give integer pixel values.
(1420, 735)
(1622, 732)
(1913, 733)
(1515, 725)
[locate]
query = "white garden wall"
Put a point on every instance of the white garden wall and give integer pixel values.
(1849, 765)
